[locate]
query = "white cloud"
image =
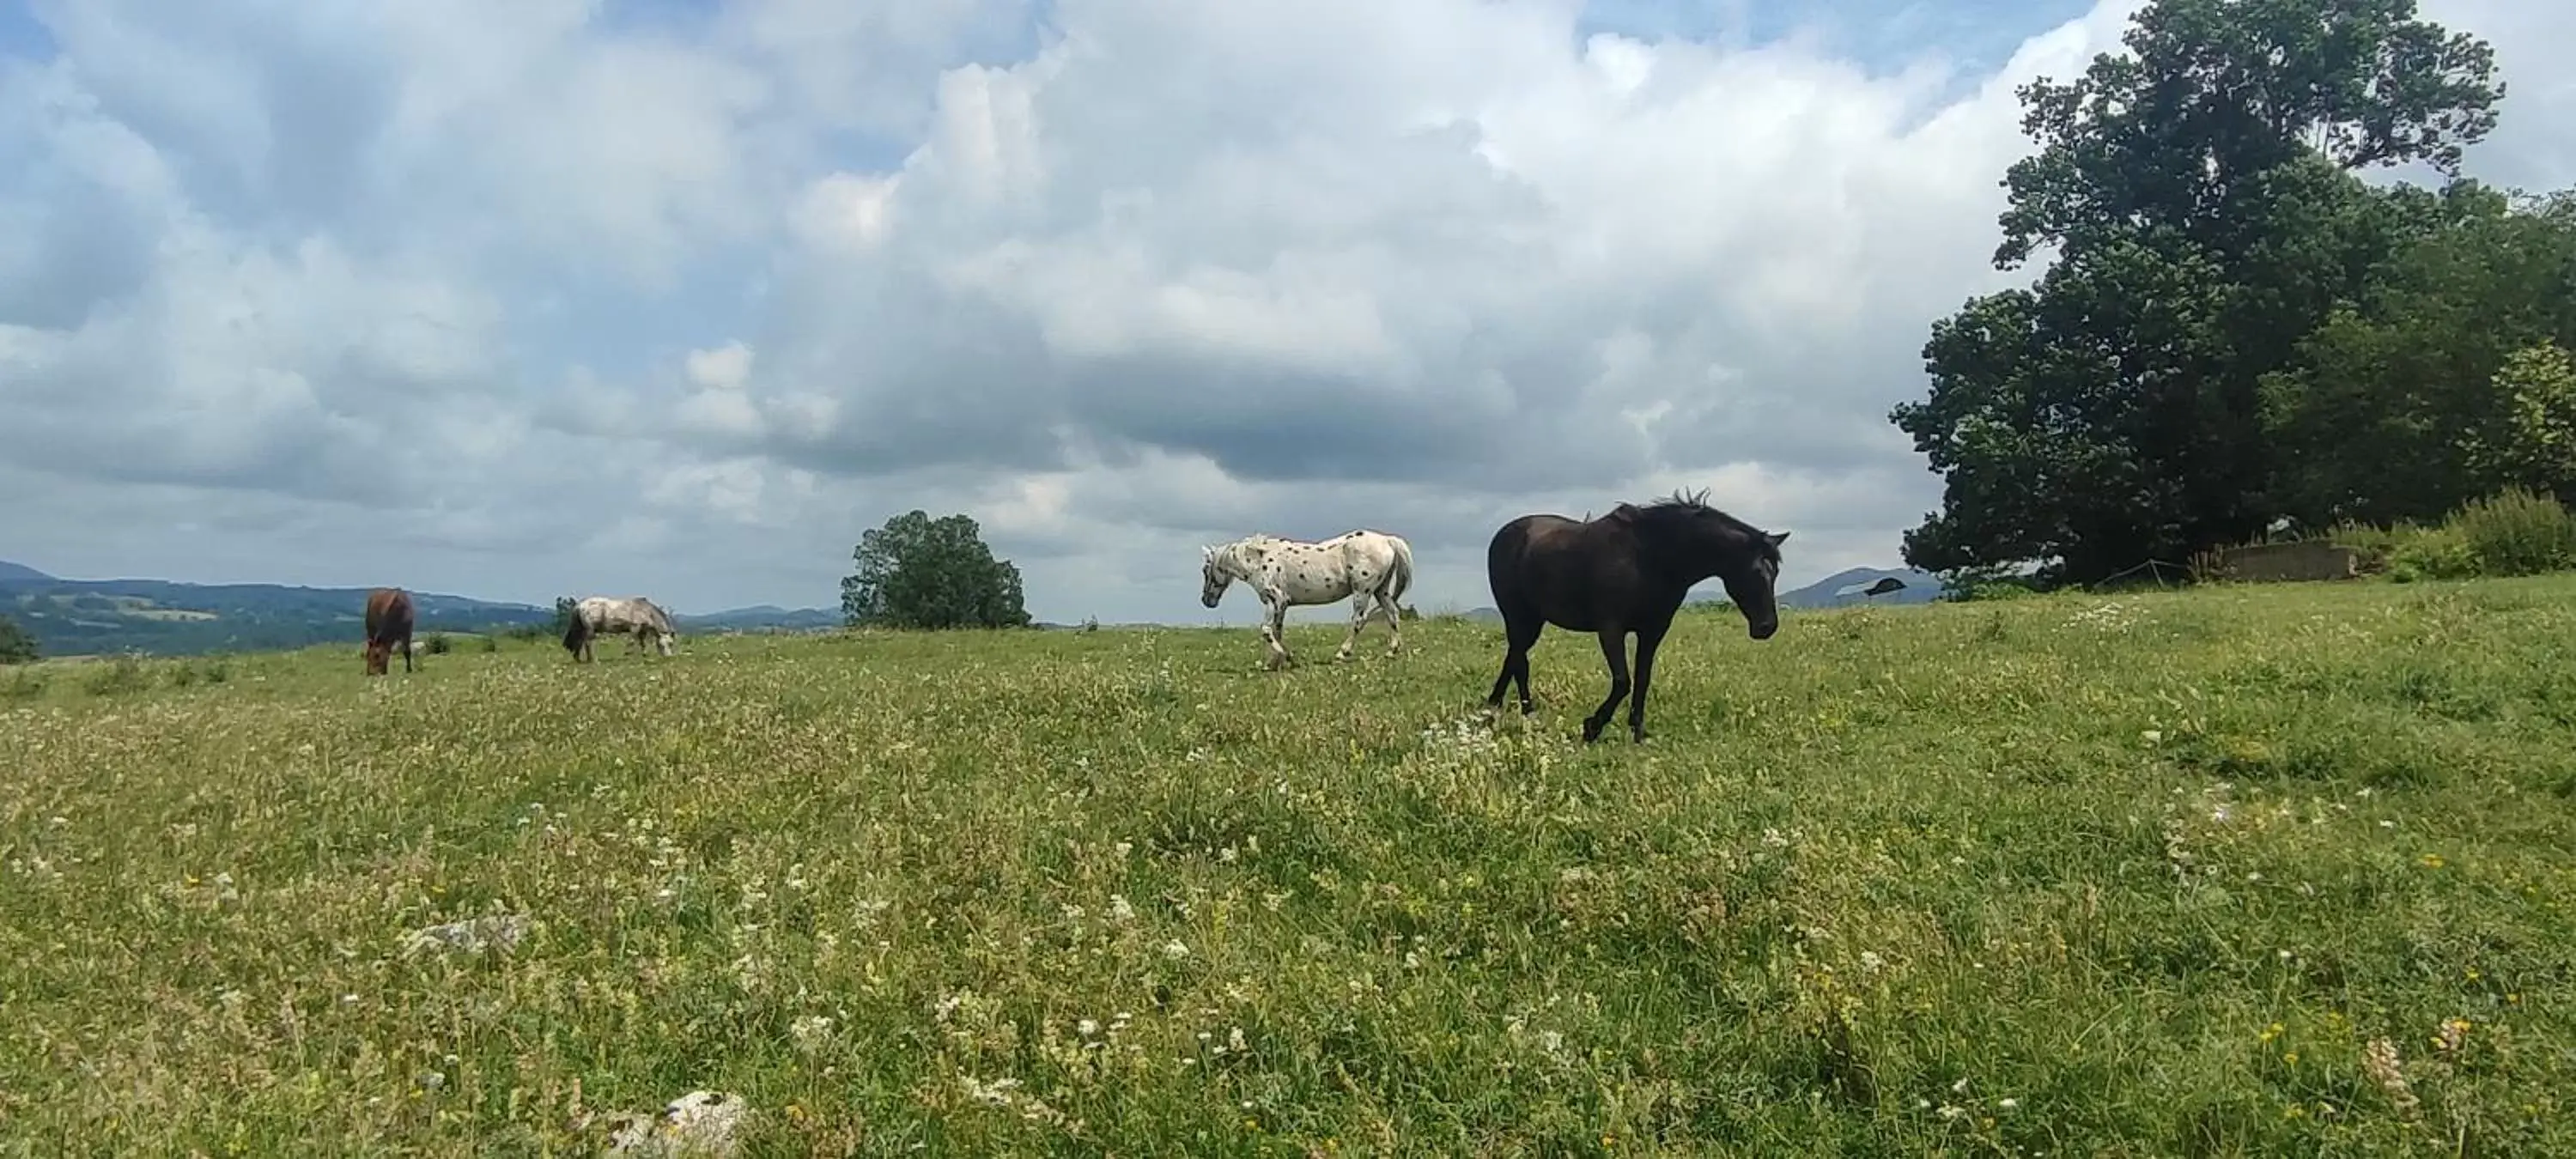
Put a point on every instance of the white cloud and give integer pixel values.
(515, 297)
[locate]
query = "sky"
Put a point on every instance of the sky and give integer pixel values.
(521, 298)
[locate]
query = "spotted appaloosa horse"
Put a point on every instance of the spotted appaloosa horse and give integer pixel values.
(1370, 567)
(631, 616)
(388, 627)
(1624, 572)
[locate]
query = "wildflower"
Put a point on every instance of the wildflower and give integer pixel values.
(2432, 860)
(2271, 1032)
(810, 1031)
(2379, 1061)
(1176, 949)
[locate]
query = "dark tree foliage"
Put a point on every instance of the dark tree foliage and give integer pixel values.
(2432, 387)
(2198, 192)
(17, 644)
(919, 572)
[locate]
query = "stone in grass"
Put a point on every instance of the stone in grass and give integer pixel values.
(471, 936)
(699, 1123)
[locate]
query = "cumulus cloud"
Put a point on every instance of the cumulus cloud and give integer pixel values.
(520, 297)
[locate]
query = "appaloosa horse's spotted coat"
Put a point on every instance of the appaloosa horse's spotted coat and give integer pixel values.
(1373, 568)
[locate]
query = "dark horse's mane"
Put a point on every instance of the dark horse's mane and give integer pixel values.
(1690, 504)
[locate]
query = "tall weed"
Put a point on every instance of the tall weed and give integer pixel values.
(2517, 532)
(2514, 532)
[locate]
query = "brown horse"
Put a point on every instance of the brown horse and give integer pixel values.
(388, 627)
(1624, 572)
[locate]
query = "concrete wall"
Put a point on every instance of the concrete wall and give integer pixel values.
(2313, 559)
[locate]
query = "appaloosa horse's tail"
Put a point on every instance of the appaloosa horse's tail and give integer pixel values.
(1399, 578)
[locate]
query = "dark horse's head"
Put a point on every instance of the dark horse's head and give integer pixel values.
(1703, 541)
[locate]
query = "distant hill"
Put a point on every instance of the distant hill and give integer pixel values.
(761, 618)
(166, 618)
(1921, 587)
(163, 618)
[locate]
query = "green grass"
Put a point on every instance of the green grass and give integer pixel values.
(2134, 876)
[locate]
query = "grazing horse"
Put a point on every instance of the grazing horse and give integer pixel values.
(632, 616)
(1624, 572)
(388, 626)
(1370, 567)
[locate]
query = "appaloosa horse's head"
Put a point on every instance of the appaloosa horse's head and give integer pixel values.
(1217, 568)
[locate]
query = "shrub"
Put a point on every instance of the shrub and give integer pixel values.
(17, 644)
(125, 673)
(2517, 532)
(2432, 553)
(22, 684)
(436, 644)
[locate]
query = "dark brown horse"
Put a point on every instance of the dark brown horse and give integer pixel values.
(388, 627)
(1624, 572)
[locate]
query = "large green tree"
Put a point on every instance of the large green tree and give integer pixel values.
(2200, 197)
(920, 572)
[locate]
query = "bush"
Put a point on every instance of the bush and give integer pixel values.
(22, 684)
(125, 673)
(2517, 532)
(2513, 532)
(1979, 584)
(2431, 553)
(436, 644)
(17, 645)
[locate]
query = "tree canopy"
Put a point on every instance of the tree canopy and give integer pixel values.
(2232, 320)
(919, 572)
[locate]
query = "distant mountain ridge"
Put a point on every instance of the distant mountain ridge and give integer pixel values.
(168, 618)
(1837, 590)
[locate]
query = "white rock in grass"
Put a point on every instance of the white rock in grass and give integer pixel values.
(699, 1123)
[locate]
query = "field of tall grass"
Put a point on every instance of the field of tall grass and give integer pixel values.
(2243, 870)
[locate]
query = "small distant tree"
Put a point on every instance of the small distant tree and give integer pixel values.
(565, 606)
(17, 645)
(920, 572)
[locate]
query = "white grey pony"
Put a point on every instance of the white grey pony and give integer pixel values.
(631, 616)
(1373, 568)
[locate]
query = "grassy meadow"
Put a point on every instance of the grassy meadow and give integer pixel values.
(2244, 870)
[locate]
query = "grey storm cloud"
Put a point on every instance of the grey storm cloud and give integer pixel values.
(520, 297)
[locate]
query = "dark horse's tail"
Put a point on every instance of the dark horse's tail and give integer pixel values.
(576, 632)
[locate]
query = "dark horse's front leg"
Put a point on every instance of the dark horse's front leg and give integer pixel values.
(1614, 648)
